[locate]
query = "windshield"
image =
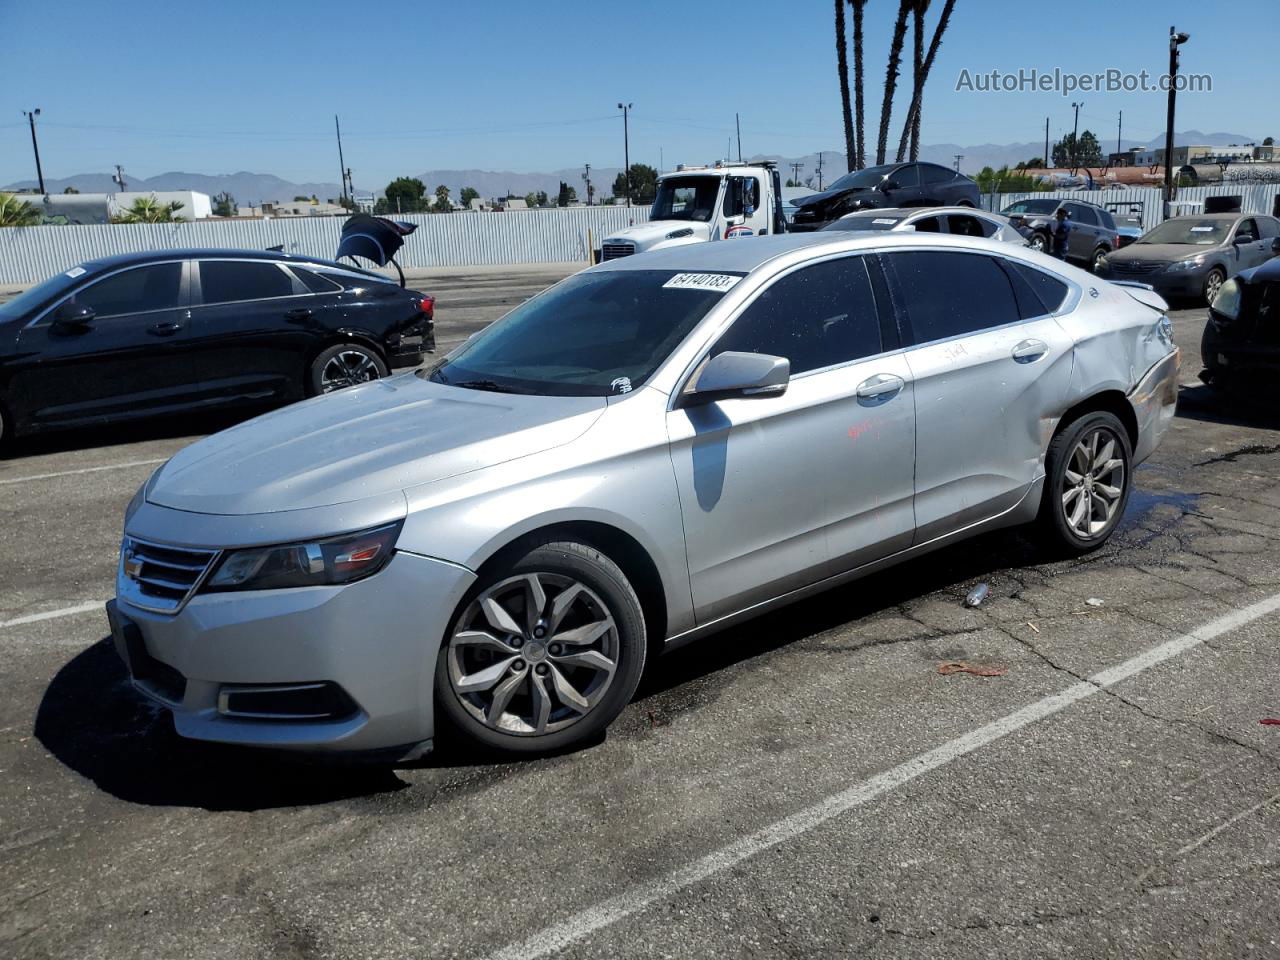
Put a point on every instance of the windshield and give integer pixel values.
(1032, 206)
(870, 177)
(686, 198)
(41, 295)
(595, 334)
(864, 223)
(1205, 233)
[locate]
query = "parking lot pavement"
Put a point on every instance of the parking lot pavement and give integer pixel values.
(806, 785)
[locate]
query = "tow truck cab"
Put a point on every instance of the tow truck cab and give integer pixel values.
(726, 201)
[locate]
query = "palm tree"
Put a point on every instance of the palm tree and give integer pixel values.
(891, 76)
(842, 67)
(922, 77)
(150, 210)
(17, 213)
(860, 159)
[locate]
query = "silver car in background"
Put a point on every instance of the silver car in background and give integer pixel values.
(958, 221)
(647, 452)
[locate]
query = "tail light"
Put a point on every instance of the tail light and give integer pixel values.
(1116, 242)
(427, 306)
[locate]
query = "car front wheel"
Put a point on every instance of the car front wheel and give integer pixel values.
(1088, 476)
(344, 365)
(1038, 242)
(1213, 283)
(546, 651)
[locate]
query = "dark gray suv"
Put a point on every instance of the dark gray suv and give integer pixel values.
(1093, 229)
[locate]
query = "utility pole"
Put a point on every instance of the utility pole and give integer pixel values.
(795, 172)
(738, 124)
(342, 164)
(626, 146)
(1075, 141)
(1175, 40)
(351, 186)
(819, 171)
(1047, 162)
(959, 157)
(31, 117)
(118, 179)
(586, 175)
(1119, 131)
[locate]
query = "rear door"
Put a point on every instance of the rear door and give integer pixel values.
(131, 357)
(777, 492)
(991, 368)
(744, 215)
(1085, 231)
(254, 323)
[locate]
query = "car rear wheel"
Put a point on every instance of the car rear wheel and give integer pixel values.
(1213, 283)
(344, 365)
(546, 651)
(1038, 242)
(1088, 476)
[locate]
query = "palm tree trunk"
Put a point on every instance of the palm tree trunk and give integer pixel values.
(914, 111)
(918, 9)
(842, 67)
(891, 77)
(860, 159)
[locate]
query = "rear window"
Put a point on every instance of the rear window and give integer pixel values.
(1032, 206)
(315, 282)
(230, 281)
(1050, 290)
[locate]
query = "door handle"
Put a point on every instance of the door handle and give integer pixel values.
(880, 388)
(1029, 351)
(165, 329)
(302, 313)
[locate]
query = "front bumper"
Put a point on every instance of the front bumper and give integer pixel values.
(1155, 401)
(375, 641)
(1178, 284)
(1237, 358)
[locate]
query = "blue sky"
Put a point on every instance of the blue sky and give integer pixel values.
(229, 86)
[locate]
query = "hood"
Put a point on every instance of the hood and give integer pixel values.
(1161, 252)
(364, 441)
(655, 231)
(1268, 272)
(818, 199)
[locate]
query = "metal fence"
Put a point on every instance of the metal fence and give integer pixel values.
(29, 254)
(1254, 198)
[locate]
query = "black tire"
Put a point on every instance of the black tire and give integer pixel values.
(332, 371)
(1213, 281)
(564, 560)
(1039, 241)
(1059, 535)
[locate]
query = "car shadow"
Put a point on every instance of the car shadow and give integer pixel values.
(93, 721)
(1258, 408)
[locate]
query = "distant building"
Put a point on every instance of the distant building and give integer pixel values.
(479, 205)
(303, 209)
(81, 208)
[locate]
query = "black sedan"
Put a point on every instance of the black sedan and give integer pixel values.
(168, 331)
(889, 185)
(1241, 341)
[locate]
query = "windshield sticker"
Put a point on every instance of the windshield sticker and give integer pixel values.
(884, 220)
(75, 272)
(701, 281)
(621, 385)
(1202, 229)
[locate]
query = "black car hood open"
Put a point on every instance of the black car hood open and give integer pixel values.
(372, 238)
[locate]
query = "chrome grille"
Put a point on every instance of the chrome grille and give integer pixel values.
(612, 251)
(161, 577)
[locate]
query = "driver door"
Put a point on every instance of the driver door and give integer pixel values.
(744, 214)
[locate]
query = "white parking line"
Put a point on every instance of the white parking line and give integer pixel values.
(643, 895)
(54, 614)
(71, 473)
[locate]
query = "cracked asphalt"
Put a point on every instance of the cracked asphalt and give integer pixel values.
(1143, 822)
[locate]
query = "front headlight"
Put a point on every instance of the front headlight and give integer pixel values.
(1179, 265)
(1227, 302)
(335, 560)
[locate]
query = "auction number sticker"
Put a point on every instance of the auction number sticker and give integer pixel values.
(75, 272)
(702, 281)
(884, 220)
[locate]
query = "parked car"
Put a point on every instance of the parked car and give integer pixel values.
(1240, 345)
(1093, 230)
(651, 450)
(160, 332)
(959, 221)
(890, 185)
(1194, 256)
(1128, 229)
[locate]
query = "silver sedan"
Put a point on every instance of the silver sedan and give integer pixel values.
(958, 221)
(650, 451)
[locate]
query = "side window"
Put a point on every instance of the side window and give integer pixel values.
(908, 176)
(929, 173)
(155, 287)
(928, 225)
(1082, 214)
(1269, 226)
(1050, 291)
(1247, 230)
(1108, 222)
(815, 317)
(928, 280)
(315, 282)
(228, 281)
(965, 225)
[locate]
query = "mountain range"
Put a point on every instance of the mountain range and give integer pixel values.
(252, 188)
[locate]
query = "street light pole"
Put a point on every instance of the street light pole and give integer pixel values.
(31, 118)
(626, 146)
(1175, 40)
(1075, 138)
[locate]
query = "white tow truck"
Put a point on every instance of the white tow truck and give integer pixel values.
(726, 201)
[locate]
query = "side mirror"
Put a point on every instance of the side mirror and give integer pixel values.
(886, 185)
(731, 375)
(72, 317)
(1241, 240)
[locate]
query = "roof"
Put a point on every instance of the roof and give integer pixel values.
(215, 253)
(1237, 215)
(905, 212)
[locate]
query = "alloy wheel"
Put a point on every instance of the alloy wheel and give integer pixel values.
(533, 654)
(1212, 284)
(1093, 483)
(1038, 242)
(346, 369)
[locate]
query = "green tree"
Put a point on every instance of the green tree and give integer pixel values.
(1268, 141)
(442, 204)
(566, 195)
(542, 198)
(150, 210)
(71, 190)
(302, 198)
(469, 194)
(1035, 163)
(224, 205)
(644, 184)
(17, 213)
(1068, 153)
(531, 199)
(404, 195)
